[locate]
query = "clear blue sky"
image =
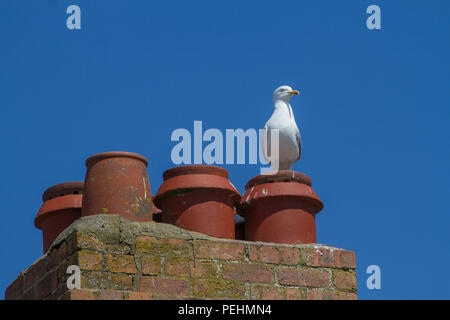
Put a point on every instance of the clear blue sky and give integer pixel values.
(374, 112)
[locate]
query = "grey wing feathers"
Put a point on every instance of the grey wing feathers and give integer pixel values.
(299, 143)
(265, 140)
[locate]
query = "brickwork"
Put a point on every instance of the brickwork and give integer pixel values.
(121, 259)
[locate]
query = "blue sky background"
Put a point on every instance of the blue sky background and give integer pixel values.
(374, 112)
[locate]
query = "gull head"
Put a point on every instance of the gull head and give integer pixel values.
(284, 93)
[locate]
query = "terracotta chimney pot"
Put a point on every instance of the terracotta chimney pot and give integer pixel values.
(117, 183)
(61, 207)
(280, 208)
(198, 198)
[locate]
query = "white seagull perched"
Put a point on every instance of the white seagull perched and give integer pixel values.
(282, 118)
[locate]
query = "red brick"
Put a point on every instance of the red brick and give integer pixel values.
(121, 282)
(290, 256)
(90, 260)
(33, 274)
(321, 294)
(344, 280)
(121, 263)
(206, 249)
(248, 272)
(47, 285)
(30, 294)
(329, 257)
(167, 297)
(56, 256)
(71, 243)
(103, 280)
(326, 294)
(110, 295)
(180, 268)
(319, 257)
(346, 295)
(139, 296)
(264, 253)
(274, 254)
(58, 293)
(203, 269)
(303, 277)
(15, 289)
(218, 289)
(174, 287)
(266, 293)
(171, 247)
(83, 240)
(347, 259)
(150, 265)
(187, 268)
(293, 294)
(79, 295)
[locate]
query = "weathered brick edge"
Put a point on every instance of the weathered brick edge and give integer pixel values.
(121, 259)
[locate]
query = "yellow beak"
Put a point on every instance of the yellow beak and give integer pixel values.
(294, 92)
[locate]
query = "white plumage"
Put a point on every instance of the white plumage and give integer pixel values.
(282, 118)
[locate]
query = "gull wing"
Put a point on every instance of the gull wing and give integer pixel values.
(299, 143)
(265, 137)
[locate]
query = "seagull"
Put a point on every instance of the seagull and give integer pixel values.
(282, 118)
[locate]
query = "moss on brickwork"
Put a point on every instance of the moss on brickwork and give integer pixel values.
(122, 259)
(219, 288)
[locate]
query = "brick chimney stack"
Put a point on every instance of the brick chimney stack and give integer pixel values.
(123, 259)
